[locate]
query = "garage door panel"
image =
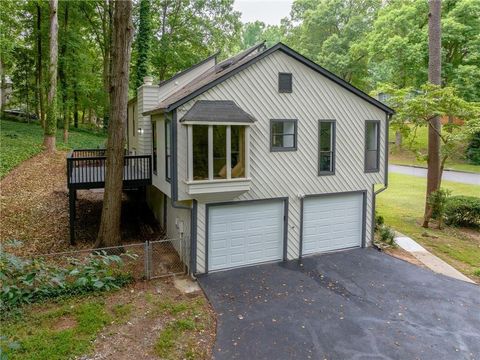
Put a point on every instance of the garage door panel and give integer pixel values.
(249, 233)
(332, 222)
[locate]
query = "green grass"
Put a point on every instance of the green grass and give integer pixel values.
(176, 341)
(402, 206)
(59, 332)
(20, 141)
(407, 155)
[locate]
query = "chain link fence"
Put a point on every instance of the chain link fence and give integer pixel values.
(148, 260)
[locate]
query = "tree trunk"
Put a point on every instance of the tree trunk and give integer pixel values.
(75, 105)
(62, 74)
(107, 58)
(109, 233)
(3, 89)
(434, 126)
(40, 95)
(51, 120)
(398, 139)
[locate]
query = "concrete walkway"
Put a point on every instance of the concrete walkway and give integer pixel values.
(428, 259)
(450, 175)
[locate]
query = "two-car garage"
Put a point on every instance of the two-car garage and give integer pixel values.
(254, 232)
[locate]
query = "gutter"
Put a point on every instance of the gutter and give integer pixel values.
(192, 266)
(385, 186)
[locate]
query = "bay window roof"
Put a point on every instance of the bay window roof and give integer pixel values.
(216, 111)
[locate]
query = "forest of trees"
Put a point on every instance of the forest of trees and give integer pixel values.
(58, 56)
(368, 43)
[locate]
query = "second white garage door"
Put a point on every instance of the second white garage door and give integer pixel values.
(244, 234)
(332, 222)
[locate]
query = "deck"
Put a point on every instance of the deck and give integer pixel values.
(86, 170)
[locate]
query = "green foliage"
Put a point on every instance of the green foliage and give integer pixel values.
(21, 141)
(143, 42)
(256, 32)
(26, 281)
(188, 31)
(473, 150)
(40, 335)
(438, 201)
(463, 211)
(379, 221)
(386, 235)
(415, 108)
(330, 33)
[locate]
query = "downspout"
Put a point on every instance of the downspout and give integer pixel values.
(385, 187)
(174, 199)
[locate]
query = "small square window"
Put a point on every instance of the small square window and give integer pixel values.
(283, 135)
(285, 82)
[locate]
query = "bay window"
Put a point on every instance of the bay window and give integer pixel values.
(217, 152)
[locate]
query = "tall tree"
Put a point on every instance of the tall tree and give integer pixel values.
(434, 126)
(143, 42)
(51, 120)
(109, 233)
(39, 66)
(62, 74)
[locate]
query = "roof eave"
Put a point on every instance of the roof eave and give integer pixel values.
(307, 62)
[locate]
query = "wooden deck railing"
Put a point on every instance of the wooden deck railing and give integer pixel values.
(86, 169)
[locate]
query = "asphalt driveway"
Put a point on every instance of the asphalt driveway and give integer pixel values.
(358, 304)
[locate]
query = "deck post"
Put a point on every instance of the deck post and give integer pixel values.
(71, 199)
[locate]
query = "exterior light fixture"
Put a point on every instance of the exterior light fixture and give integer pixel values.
(140, 131)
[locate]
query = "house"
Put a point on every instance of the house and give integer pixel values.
(263, 157)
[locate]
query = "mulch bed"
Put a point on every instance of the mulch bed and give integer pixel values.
(34, 210)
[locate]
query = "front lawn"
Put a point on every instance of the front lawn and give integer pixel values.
(407, 157)
(20, 141)
(402, 206)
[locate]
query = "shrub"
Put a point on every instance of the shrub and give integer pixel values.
(379, 221)
(438, 200)
(387, 235)
(25, 281)
(463, 211)
(472, 152)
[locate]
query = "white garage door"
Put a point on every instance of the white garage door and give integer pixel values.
(332, 222)
(245, 234)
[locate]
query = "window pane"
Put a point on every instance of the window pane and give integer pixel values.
(326, 161)
(372, 135)
(325, 136)
(238, 151)
(219, 152)
(283, 134)
(200, 152)
(371, 159)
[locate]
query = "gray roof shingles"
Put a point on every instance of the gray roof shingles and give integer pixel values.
(217, 111)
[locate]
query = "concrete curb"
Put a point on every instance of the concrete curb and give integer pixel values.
(431, 261)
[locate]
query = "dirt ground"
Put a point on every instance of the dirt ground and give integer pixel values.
(34, 210)
(148, 314)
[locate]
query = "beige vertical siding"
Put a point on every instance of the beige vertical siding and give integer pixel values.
(293, 174)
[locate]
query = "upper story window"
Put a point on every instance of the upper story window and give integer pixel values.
(168, 151)
(283, 135)
(154, 146)
(372, 142)
(284, 82)
(326, 147)
(218, 152)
